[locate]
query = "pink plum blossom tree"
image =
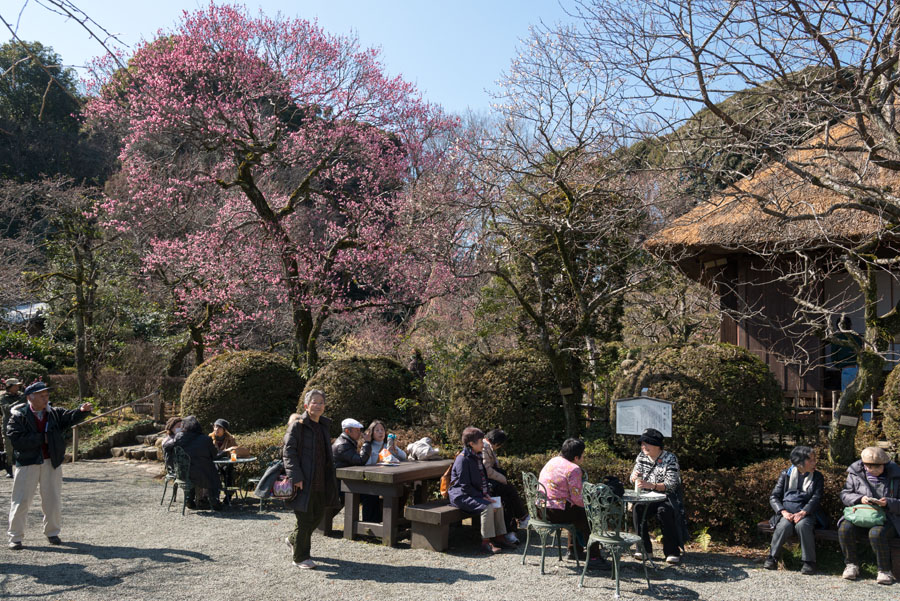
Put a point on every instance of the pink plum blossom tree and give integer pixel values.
(293, 172)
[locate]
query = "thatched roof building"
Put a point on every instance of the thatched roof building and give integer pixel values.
(766, 210)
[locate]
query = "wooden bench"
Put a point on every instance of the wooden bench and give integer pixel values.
(832, 535)
(430, 524)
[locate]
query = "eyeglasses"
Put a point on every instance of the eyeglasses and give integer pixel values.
(873, 465)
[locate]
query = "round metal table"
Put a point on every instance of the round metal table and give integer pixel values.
(228, 486)
(645, 498)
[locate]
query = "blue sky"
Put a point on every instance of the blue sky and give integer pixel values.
(453, 51)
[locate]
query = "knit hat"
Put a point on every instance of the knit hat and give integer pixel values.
(874, 455)
(652, 436)
(221, 423)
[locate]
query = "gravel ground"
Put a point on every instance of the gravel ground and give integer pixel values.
(120, 544)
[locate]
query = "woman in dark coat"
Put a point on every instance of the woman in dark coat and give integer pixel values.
(202, 452)
(875, 481)
(309, 463)
(796, 500)
(469, 491)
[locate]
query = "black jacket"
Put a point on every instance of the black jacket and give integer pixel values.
(202, 451)
(813, 501)
(345, 454)
(299, 454)
(26, 440)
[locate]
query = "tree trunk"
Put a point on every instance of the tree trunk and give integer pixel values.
(197, 344)
(867, 383)
(567, 371)
(81, 366)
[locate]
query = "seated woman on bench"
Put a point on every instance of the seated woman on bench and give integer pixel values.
(796, 500)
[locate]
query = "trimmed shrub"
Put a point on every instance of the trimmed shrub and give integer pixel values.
(27, 371)
(250, 389)
(364, 388)
(890, 405)
(515, 392)
(40, 349)
(723, 396)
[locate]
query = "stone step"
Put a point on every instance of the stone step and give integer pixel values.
(137, 452)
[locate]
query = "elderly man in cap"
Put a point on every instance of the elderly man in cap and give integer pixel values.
(345, 447)
(36, 432)
(9, 398)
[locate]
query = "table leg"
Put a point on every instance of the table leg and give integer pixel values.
(351, 513)
(390, 515)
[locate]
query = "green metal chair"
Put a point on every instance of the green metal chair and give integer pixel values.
(182, 464)
(169, 476)
(536, 501)
(606, 514)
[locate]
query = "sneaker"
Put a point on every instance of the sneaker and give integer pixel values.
(287, 541)
(15, 546)
(490, 548)
(306, 564)
(851, 572)
(640, 556)
(771, 563)
(809, 568)
(511, 538)
(191, 505)
(885, 578)
(54, 540)
(501, 542)
(523, 524)
(673, 560)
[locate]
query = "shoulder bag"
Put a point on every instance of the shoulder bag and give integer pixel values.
(864, 516)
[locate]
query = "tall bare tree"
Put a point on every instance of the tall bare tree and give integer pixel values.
(816, 116)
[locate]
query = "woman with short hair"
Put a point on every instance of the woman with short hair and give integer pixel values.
(469, 492)
(796, 500)
(873, 480)
(513, 507)
(657, 470)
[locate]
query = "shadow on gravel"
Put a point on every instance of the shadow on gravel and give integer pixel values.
(63, 575)
(114, 552)
(352, 570)
(84, 480)
(700, 569)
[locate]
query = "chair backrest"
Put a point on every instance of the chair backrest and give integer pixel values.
(182, 464)
(605, 509)
(535, 497)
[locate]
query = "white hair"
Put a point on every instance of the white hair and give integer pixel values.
(310, 394)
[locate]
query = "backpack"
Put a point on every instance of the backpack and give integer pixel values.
(614, 485)
(445, 480)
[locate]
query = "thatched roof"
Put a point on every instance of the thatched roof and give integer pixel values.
(736, 218)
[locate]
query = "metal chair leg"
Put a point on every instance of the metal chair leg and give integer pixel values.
(527, 542)
(165, 486)
(174, 493)
(615, 557)
(543, 550)
(583, 572)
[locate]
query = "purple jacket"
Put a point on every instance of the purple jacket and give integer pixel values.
(467, 482)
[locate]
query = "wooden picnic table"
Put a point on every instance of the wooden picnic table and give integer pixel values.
(388, 481)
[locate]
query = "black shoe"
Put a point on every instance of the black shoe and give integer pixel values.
(54, 540)
(16, 546)
(809, 568)
(9, 475)
(598, 563)
(215, 505)
(191, 505)
(771, 563)
(203, 504)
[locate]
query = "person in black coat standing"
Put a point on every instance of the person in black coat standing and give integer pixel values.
(796, 501)
(35, 430)
(200, 448)
(309, 463)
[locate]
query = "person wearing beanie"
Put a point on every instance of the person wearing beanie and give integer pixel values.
(657, 470)
(873, 480)
(224, 443)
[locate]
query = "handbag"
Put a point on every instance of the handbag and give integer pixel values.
(283, 489)
(864, 516)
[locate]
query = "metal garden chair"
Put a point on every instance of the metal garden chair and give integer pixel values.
(182, 464)
(266, 459)
(606, 514)
(169, 476)
(536, 501)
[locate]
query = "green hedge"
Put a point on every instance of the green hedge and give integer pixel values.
(364, 388)
(516, 392)
(250, 389)
(27, 371)
(890, 405)
(723, 396)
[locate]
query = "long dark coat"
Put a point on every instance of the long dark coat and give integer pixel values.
(299, 453)
(202, 452)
